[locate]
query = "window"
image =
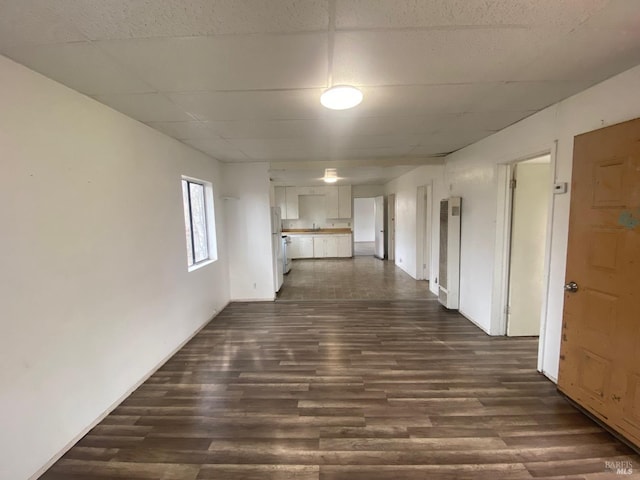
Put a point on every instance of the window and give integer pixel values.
(197, 199)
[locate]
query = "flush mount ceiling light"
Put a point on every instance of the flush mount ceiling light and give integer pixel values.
(341, 97)
(337, 97)
(330, 175)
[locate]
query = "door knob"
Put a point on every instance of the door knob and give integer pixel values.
(571, 287)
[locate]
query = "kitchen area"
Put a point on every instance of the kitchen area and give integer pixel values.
(314, 221)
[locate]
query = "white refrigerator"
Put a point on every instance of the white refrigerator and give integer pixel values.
(276, 248)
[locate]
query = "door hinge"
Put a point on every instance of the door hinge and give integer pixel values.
(507, 310)
(513, 183)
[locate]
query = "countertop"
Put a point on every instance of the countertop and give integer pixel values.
(322, 231)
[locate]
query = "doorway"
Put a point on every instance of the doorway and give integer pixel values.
(364, 226)
(379, 226)
(424, 202)
(391, 227)
(531, 191)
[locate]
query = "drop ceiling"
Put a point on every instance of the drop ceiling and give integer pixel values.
(240, 79)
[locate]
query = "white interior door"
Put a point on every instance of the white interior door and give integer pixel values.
(379, 225)
(528, 238)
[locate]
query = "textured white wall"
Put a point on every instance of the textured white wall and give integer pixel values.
(471, 173)
(248, 223)
(95, 290)
(406, 190)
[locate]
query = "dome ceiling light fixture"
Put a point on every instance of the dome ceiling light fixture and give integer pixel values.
(341, 97)
(330, 175)
(337, 97)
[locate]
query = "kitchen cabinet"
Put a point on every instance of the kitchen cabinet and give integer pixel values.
(301, 246)
(339, 201)
(287, 199)
(320, 190)
(320, 246)
(325, 246)
(291, 198)
(281, 201)
(344, 201)
(333, 202)
(345, 246)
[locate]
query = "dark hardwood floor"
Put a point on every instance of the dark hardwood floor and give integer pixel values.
(357, 390)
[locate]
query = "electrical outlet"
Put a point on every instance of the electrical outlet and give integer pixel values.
(254, 286)
(399, 260)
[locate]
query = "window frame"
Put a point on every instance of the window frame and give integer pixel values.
(209, 223)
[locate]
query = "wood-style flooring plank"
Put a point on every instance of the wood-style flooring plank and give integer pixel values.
(332, 390)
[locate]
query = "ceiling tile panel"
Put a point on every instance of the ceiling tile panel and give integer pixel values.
(413, 100)
(448, 142)
(491, 121)
(340, 153)
(146, 107)
(227, 106)
(370, 126)
(619, 14)
(80, 66)
(349, 142)
(267, 128)
(435, 56)
(218, 148)
(184, 130)
(125, 19)
(227, 62)
(586, 54)
(436, 13)
(282, 154)
(34, 22)
(521, 96)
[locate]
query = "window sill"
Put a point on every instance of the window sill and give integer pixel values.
(199, 265)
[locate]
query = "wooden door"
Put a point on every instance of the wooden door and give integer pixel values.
(600, 351)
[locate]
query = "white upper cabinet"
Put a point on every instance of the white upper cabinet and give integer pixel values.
(281, 201)
(339, 201)
(344, 201)
(291, 204)
(319, 190)
(333, 202)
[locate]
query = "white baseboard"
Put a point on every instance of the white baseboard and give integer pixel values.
(550, 377)
(269, 299)
(115, 404)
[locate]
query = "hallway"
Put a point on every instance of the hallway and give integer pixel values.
(357, 278)
(345, 390)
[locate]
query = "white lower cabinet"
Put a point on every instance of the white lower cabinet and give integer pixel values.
(344, 246)
(325, 246)
(320, 246)
(300, 247)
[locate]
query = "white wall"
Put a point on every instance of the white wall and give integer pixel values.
(312, 213)
(406, 189)
(364, 229)
(248, 220)
(365, 191)
(95, 290)
(471, 173)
